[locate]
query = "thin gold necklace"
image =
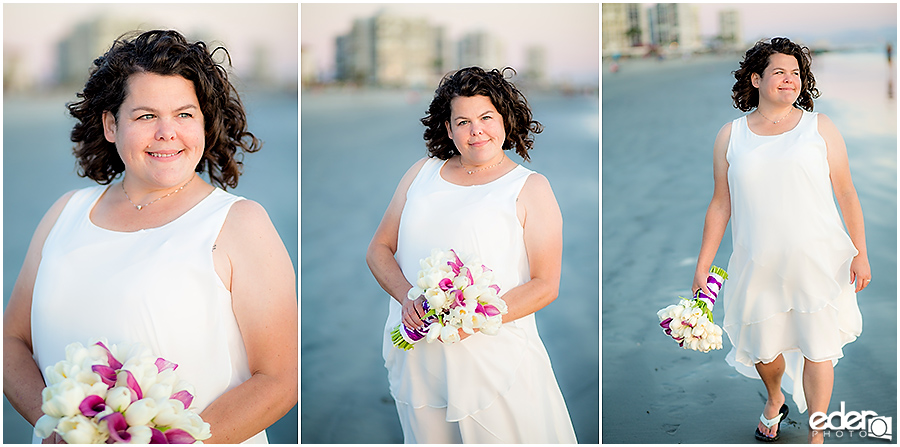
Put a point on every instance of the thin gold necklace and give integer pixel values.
(479, 169)
(775, 122)
(140, 207)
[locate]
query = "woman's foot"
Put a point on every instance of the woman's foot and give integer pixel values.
(815, 437)
(771, 410)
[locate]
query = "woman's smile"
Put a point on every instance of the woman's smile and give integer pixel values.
(165, 155)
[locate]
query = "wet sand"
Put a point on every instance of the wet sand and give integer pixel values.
(659, 121)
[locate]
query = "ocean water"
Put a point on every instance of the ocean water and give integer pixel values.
(38, 168)
(659, 121)
(356, 145)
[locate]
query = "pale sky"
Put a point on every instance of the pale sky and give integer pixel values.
(569, 32)
(834, 23)
(32, 30)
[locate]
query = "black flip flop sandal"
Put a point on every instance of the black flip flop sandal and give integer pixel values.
(769, 423)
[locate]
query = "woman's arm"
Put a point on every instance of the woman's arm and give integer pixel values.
(717, 214)
(22, 380)
(264, 300)
(847, 199)
(380, 254)
(542, 224)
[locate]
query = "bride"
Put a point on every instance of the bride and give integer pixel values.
(161, 257)
(469, 196)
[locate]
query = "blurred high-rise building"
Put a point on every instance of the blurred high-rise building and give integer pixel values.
(390, 50)
(536, 65)
(308, 72)
(730, 33)
(626, 28)
(483, 49)
(92, 38)
(676, 26)
(86, 42)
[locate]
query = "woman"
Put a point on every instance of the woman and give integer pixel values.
(155, 254)
(790, 302)
(469, 196)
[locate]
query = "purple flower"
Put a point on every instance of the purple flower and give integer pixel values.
(488, 310)
(456, 264)
(113, 363)
(107, 374)
(184, 396)
(171, 436)
(132, 384)
(163, 364)
(179, 436)
(157, 437)
(665, 323)
(92, 405)
(117, 427)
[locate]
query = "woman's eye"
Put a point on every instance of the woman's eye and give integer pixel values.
(486, 117)
(185, 115)
(462, 123)
(146, 116)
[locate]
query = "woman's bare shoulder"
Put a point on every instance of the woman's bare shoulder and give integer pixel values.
(247, 214)
(52, 214)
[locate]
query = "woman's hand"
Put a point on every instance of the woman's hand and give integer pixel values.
(413, 312)
(860, 272)
(700, 283)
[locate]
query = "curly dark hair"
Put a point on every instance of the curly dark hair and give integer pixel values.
(756, 59)
(166, 53)
(508, 101)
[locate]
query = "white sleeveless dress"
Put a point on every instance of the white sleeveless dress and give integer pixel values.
(485, 389)
(156, 286)
(789, 289)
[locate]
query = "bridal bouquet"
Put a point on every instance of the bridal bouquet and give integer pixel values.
(690, 322)
(459, 294)
(117, 394)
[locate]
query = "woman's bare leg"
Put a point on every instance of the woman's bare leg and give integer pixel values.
(818, 381)
(771, 376)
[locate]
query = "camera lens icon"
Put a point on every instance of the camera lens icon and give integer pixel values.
(880, 427)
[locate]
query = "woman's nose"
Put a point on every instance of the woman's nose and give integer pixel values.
(165, 131)
(476, 128)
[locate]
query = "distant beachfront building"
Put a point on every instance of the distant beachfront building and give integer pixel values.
(676, 27)
(625, 28)
(536, 65)
(87, 41)
(309, 75)
(730, 34)
(635, 29)
(482, 49)
(390, 50)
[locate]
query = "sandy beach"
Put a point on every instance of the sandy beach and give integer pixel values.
(659, 120)
(356, 147)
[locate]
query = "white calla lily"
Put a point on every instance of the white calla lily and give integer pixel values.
(63, 398)
(434, 331)
(80, 430)
(141, 412)
(449, 334)
(44, 426)
(118, 398)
